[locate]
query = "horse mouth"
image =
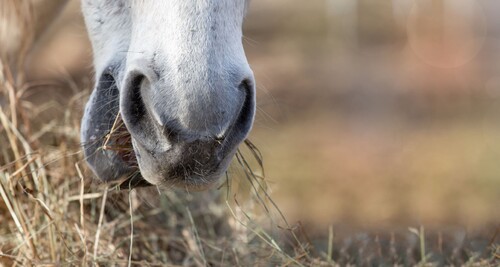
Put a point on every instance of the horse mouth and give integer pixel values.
(119, 141)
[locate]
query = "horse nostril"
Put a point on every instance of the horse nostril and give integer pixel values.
(135, 108)
(247, 111)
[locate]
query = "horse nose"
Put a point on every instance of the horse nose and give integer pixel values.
(158, 121)
(189, 133)
(238, 126)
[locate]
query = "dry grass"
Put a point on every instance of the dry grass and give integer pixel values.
(52, 212)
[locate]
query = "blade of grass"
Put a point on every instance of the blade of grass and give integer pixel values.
(99, 224)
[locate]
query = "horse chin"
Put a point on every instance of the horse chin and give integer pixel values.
(157, 170)
(189, 184)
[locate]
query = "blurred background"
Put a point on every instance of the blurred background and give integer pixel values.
(370, 113)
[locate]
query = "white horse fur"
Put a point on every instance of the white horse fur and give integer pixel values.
(177, 73)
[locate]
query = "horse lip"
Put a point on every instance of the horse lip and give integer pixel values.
(200, 183)
(164, 169)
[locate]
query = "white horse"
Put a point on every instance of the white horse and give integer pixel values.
(176, 72)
